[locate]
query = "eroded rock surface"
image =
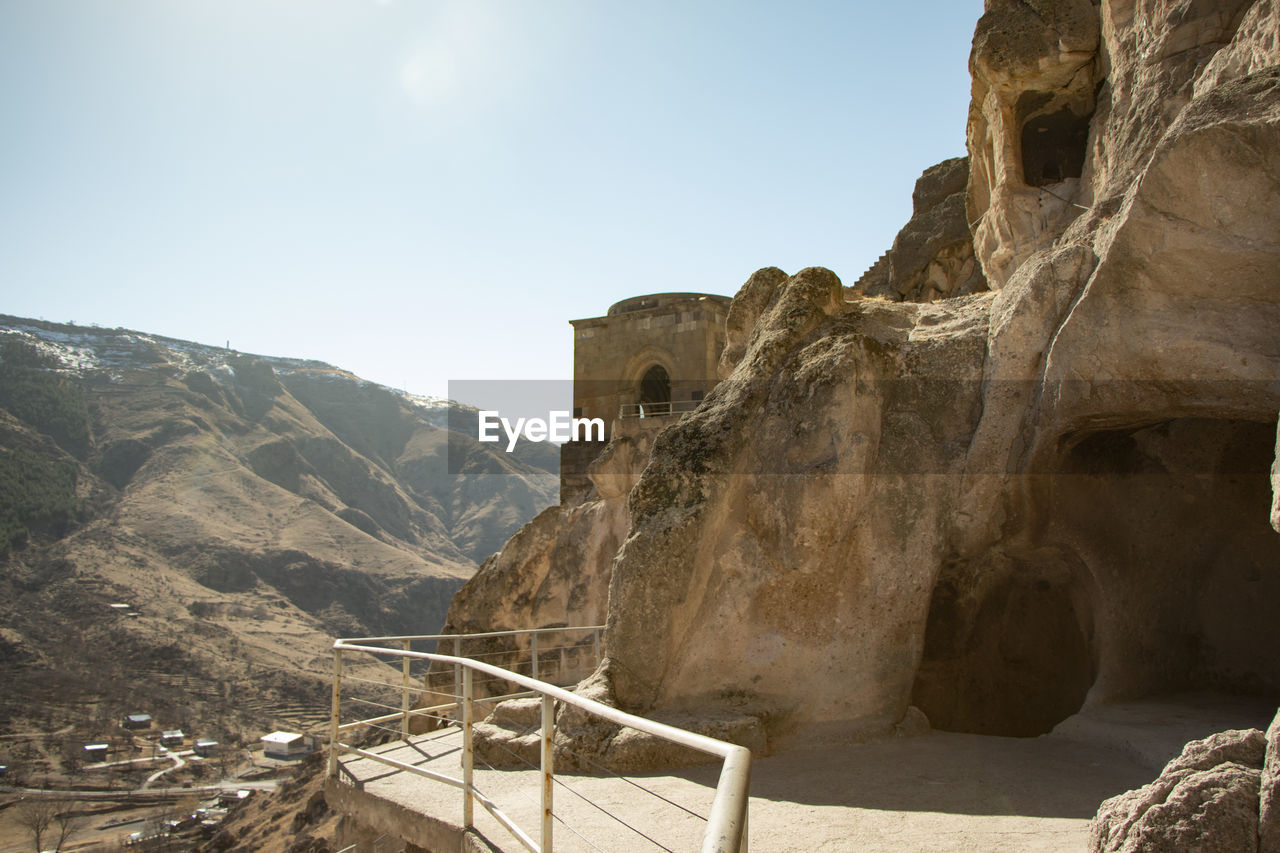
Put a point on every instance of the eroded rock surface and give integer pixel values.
(1269, 793)
(1035, 69)
(553, 572)
(1275, 486)
(932, 256)
(1205, 799)
(1210, 810)
(754, 538)
(1020, 497)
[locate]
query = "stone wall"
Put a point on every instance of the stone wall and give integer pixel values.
(684, 335)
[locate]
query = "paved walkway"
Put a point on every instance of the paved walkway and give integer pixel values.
(937, 792)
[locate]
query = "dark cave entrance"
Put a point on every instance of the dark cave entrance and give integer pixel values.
(1007, 649)
(1173, 519)
(1053, 147)
(1158, 573)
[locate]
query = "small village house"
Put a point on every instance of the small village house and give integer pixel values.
(230, 798)
(285, 745)
(136, 722)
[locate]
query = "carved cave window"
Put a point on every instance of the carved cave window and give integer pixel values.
(1053, 147)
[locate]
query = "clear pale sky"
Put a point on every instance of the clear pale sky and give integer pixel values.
(427, 190)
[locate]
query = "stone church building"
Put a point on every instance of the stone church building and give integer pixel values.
(638, 368)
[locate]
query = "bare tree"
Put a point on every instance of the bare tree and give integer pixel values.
(66, 823)
(35, 816)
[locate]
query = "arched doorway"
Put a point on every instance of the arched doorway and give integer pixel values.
(655, 392)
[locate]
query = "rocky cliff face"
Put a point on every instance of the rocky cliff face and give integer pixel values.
(932, 256)
(556, 570)
(1001, 506)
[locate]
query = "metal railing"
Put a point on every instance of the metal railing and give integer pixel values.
(726, 825)
(456, 643)
(657, 410)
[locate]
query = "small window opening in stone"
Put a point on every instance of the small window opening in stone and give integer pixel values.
(1053, 147)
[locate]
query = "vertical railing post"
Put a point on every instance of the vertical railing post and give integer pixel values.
(468, 755)
(337, 708)
(457, 677)
(404, 692)
(548, 767)
(595, 645)
(533, 649)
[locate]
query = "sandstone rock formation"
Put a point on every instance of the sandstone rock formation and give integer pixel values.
(746, 531)
(1275, 486)
(1003, 506)
(1111, 361)
(553, 572)
(1269, 793)
(932, 256)
(1205, 799)
(1035, 67)
(556, 569)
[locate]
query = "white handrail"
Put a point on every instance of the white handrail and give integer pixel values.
(657, 410)
(726, 825)
(480, 636)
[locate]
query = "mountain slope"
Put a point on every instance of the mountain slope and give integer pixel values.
(247, 508)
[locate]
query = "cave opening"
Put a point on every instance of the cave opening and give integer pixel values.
(1173, 520)
(1156, 573)
(1053, 147)
(1007, 649)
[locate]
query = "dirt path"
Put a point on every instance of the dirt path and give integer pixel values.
(178, 764)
